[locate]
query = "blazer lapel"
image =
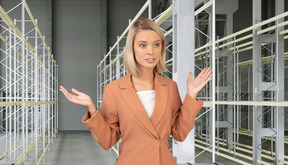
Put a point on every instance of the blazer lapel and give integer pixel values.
(161, 99)
(131, 98)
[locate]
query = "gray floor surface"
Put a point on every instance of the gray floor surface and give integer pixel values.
(77, 148)
(80, 148)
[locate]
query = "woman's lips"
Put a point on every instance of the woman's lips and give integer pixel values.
(150, 60)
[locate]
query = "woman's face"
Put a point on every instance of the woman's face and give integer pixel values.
(147, 48)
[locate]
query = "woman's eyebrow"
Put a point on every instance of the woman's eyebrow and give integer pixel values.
(146, 41)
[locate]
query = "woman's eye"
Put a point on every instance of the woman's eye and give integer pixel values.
(157, 45)
(142, 45)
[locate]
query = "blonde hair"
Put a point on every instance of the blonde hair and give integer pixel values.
(129, 59)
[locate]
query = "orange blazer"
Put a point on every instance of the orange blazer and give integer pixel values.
(144, 141)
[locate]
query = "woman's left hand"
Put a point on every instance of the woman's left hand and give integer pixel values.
(195, 85)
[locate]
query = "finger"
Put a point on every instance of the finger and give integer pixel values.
(207, 73)
(75, 91)
(63, 89)
(190, 76)
(208, 78)
(205, 81)
(65, 94)
(201, 73)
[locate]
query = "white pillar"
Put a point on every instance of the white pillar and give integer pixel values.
(183, 63)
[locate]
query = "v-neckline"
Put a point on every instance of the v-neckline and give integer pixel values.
(156, 96)
(129, 95)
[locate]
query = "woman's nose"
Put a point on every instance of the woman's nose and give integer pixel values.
(150, 50)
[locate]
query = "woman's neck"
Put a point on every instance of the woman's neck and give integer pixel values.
(144, 77)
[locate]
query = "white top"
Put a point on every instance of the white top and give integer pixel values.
(147, 98)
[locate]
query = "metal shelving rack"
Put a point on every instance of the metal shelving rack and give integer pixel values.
(28, 89)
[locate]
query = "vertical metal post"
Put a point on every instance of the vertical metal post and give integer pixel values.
(43, 107)
(51, 89)
(110, 67)
(105, 74)
(209, 92)
(48, 95)
(280, 82)
(257, 79)
(118, 61)
(7, 54)
(249, 97)
(97, 85)
(277, 154)
(7, 114)
(27, 91)
(52, 96)
(213, 80)
(57, 93)
(100, 84)
(124, 70)
(10, 96)
(234, 96)
(23, 80)
(237, 96)
(15, 93)
(43, 96)
(217, 95)
(36, 79)
(150, 9)
(279, 121)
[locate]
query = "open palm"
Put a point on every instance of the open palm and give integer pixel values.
(79, 98)
(196, 84)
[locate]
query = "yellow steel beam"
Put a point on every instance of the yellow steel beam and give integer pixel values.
(39, 32)
(27, 103)
(44, 152)
(13, 27)
(19, 158)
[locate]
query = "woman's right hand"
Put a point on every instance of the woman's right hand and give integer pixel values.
(79, 98)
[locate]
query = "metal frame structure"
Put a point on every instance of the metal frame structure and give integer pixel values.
(28, 89)
(240, 95)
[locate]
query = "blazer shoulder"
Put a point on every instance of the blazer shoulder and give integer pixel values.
(115, 83)
(166, 80)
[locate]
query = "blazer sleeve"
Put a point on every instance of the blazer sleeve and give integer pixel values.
(183, 115)
(104, 124)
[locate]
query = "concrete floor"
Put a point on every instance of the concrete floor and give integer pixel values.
(79, 147)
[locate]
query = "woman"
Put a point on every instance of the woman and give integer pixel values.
(143, 107)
